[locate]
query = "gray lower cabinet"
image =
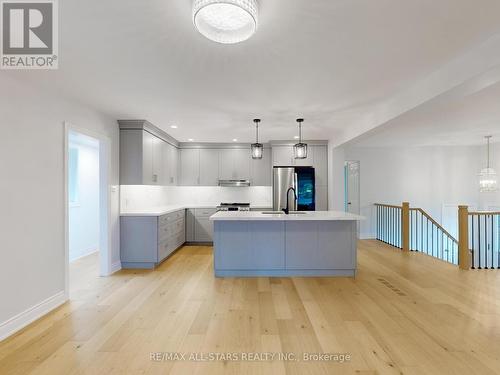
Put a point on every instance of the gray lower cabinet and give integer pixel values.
(145, 241)
(306, 242)
(199, 228)
(250, 245)
(285, 248)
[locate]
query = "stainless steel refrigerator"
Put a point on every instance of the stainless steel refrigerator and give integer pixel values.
(302, 180)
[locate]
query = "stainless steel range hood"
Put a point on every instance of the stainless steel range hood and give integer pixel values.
(234, 183)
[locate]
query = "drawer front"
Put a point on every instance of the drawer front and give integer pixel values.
(164, 250)
(179, 226)
(204, 212)
(171, 217)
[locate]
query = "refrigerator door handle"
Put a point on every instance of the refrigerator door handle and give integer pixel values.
(296, 198)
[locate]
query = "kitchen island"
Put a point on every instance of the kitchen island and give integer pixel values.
(315, 243)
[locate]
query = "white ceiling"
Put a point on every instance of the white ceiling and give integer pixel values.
(445, 121)
(318, 59)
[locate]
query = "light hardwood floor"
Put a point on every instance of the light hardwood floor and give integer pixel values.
(403, 314)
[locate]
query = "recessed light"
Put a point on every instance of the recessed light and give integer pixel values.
(190, 139)
(296, 137)
(235, 140)
(173, 126)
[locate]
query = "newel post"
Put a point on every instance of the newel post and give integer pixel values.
(463, 238)
(405, 226)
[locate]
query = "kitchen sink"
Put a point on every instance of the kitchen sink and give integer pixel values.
(282, 213)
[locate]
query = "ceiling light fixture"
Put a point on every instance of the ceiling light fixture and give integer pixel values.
(488, 177)
(235, 140)
(300, 149)
(173, 126)
(226, 21)
(257, 148)
(190, 139)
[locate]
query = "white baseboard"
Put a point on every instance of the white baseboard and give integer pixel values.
(115, 267)
(89, 252)
(28, 316)
(367, 236)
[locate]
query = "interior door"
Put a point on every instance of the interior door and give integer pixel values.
(351, 176)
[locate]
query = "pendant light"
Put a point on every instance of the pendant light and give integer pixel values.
(257, 148)
(487, 176)
(300, 149)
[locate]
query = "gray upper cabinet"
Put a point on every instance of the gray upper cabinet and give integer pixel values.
(189, 167)
(173, 165)
(157, 174)
(282, 156)
(141, 158)
(260, 170)
(209, 167)
(148, 155)
(234, 164)
(170, 159)
(320, 164)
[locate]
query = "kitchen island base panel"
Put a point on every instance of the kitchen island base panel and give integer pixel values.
(247, 248)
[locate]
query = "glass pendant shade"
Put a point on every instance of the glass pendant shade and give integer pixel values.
(257, 148)
(300, 149)
(226, 21)
(488, 181)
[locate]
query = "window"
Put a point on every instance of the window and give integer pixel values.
(73, 176)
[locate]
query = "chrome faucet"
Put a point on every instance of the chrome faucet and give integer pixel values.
(287, 210)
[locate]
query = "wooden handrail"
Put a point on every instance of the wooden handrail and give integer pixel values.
(387, 205)
(435, 223)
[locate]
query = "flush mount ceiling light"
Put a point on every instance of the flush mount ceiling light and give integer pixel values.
(300, 149)
(257, 148)
(487, 176)
(226, 21)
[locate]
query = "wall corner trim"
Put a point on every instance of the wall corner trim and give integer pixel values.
(115, 267)
(21, 320)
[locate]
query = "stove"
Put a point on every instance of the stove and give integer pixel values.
(234, 207)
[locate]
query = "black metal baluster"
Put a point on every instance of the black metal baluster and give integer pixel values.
(491, 245)
(473, 245)
(498, 241)
(442, 243)
(485, 242)
(432, 238)
(479, 239)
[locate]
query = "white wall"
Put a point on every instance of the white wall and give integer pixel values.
(427, 177)
(137, 197)
(32, 192)
(84, 214)
(336, 159)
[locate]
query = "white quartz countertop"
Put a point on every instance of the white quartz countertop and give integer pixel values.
(306, 216)
(163, 210)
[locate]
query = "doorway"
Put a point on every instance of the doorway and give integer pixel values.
(87, 205)
(351, 180)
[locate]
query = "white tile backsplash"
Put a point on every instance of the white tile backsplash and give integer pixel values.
(138, 196)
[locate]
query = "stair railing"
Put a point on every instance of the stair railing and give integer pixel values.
(413, 229)
(482, 239)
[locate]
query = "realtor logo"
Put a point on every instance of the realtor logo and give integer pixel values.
(29, 34)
